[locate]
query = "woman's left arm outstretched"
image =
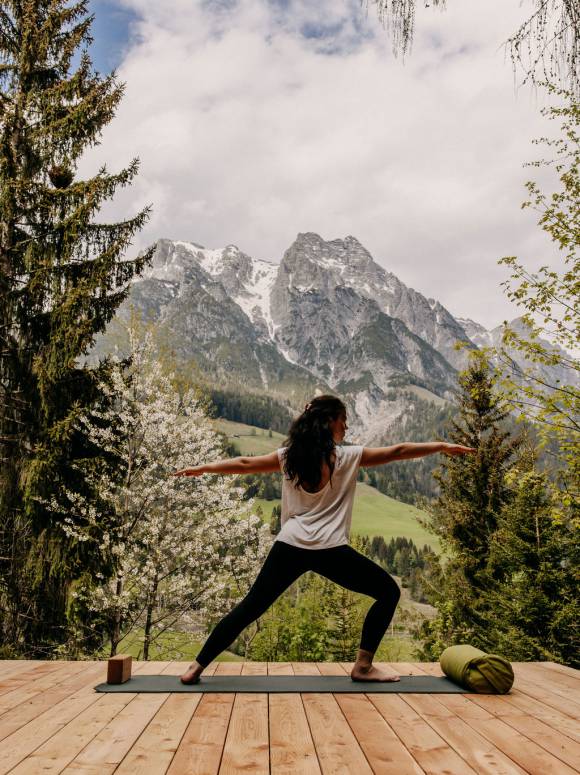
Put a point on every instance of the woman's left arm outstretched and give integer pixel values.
(376, 456)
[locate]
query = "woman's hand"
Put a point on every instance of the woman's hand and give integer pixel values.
(195, 471)
(457, 449)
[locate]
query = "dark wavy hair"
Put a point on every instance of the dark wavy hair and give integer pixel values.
(310, 441)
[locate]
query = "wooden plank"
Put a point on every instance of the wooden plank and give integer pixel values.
(517, 701)
(330, 668)
(292, 750)
(254, 668)
(461, 705)
(247, 744)
(54, 754)
(548, 696)
(291, 746)
(381, 746)
(305, 668)
(432, 668)
(229, 668)
(22, 742)
(38, 686)
(560, 668)
(537, 674)
(28, 710)
(11, 667)
(280, 668)
(556, 743)
(406, 668)
(520, 748)
(60, 747)
(153, 752)
(8, 662)
(478, 752)
(552, 678)
(284, 668)
(338, 750)
(201, 747)
(106, 750)
(29, 674)
(430, 750)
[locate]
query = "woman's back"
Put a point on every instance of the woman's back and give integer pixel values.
(322, 518)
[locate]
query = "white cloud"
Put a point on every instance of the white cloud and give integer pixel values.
(249, 131)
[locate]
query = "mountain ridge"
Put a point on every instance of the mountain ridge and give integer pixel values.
(326, 318)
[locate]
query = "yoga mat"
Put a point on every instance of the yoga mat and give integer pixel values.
(423, 684)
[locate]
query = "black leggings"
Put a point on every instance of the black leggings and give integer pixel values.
(283, 565)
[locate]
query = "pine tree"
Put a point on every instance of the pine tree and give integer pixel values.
(473, 492)
(343, 609)
(275, 520)
(62, 276)
(534, 610)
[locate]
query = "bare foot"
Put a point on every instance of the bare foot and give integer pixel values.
(191, 676)
(371, 673)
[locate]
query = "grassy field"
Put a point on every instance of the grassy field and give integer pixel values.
(377, 514)
(248, 439)
(173, 645)
(373, 512)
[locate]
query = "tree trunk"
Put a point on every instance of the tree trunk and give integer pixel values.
(116, 631)
(149, 620)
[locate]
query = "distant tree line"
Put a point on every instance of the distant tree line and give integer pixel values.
(403, 558)
(266, 486)
(251, 409)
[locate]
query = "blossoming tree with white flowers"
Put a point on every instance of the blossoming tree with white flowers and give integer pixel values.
(186, 550)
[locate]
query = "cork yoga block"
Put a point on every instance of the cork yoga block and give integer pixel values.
(119, 669)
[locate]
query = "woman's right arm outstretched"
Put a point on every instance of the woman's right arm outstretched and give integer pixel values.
(235, 465)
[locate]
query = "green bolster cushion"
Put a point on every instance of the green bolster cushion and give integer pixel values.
(480, 672)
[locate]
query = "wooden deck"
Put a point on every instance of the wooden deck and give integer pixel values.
(52, 720)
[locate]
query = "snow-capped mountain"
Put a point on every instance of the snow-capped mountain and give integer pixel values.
(327, 317)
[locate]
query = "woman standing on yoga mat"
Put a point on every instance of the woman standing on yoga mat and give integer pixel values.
(317, 496)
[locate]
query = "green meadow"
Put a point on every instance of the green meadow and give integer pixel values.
(170, 645)
(249, 439)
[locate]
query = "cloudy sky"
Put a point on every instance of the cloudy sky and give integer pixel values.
(255, 120)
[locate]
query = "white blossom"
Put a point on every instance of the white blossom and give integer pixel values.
(187, 548)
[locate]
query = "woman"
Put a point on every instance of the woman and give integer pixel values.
(317, 496)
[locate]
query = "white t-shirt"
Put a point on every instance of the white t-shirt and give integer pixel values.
(320, 520)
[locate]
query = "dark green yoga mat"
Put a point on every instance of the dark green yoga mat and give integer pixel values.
(423, 684)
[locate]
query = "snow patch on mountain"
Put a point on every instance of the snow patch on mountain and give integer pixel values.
(256, 301)
(476, 332)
